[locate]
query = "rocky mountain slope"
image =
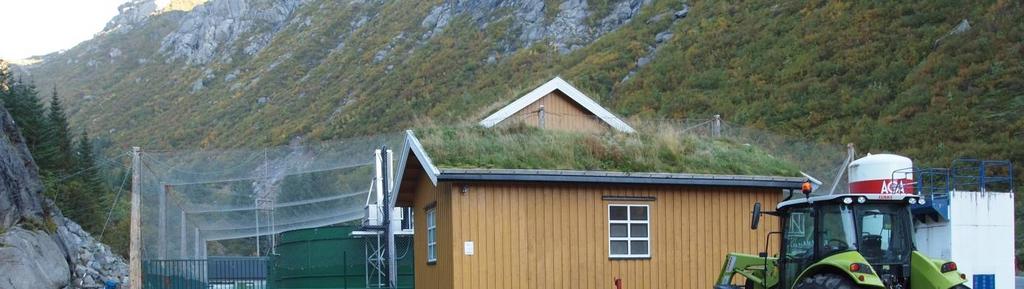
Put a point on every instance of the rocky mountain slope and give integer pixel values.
(334, 61)
(39, 248)
(883, 75)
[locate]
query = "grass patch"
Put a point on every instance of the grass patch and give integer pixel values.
(46, 225)
(648, 150)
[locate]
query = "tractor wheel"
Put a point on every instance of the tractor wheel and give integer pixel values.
(961, 286)
(826, 281)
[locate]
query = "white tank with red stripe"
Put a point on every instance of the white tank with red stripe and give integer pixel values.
(881, 174)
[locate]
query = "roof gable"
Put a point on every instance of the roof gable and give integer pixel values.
(557, 84)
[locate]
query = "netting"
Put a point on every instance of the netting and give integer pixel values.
(822, 161)
(191, 197)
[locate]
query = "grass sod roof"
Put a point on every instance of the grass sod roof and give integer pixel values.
(524, 147)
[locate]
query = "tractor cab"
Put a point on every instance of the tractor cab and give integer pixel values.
(877, 227)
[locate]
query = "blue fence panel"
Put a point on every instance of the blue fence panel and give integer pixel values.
(984, 281)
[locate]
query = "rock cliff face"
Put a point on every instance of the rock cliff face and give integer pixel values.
(135, 12)
(19, 184)
(38, 246)
(567, 30)
(215, 28)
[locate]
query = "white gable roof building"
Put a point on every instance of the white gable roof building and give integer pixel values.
(557, 105)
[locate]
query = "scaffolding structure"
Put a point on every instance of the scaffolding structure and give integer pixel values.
(382, 224)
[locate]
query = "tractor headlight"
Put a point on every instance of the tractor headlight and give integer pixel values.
(920, 201)
(861, 200)
(847, 200)
(912, 201)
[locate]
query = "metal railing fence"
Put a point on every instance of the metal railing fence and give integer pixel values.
(212, 273)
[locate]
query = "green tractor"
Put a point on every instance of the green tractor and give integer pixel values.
(842, 242)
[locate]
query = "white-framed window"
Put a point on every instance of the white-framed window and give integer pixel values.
(629, 228)
(431, 235)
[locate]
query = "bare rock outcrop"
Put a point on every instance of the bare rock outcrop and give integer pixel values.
(215, 27)
(19, 181)
(570, 28)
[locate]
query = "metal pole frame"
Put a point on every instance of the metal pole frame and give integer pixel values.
(389, 233)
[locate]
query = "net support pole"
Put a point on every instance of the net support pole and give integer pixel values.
(184, 241)
(162, 233)
(198, 253)
(850, 153)
(135, 240)
(257, 203)
(716, 126)
(389, 206)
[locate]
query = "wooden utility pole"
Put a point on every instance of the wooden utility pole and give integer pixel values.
(135, 244)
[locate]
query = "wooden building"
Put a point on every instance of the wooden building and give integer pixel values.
(537, 228)
(560, 106)
(500, 228)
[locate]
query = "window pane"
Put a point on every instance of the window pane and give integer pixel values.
(619, 230)
(638, 248)
(638, 230)
(620, 247)
(638, 213)
(617, 213)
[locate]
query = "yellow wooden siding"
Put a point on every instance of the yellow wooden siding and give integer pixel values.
(439, 274)
(560, 113)
(556, 236)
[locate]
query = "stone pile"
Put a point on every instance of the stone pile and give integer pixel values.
(94, 262)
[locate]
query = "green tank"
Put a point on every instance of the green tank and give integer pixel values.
(329, 257)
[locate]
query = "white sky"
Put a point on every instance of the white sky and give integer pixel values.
(37, 27)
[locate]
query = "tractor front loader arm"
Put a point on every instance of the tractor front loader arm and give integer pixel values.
(760, 271)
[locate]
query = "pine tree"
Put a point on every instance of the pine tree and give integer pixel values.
(55, 152)
(22, 101)
(87, 196)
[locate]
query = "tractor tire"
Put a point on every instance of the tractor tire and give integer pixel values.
(826, 281)
(961, 286)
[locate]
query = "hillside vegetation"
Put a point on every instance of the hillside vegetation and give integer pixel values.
(898, 76)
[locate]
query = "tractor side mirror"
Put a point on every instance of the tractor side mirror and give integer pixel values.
(755, 219)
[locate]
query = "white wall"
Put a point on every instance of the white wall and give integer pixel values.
(932, 239)
(978, 237)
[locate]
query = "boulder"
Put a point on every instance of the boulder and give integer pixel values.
(31, 260)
